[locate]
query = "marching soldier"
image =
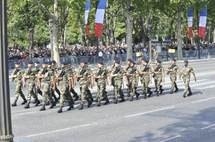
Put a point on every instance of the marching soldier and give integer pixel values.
(30, 77)
(38, 81)
(172, 71)
(100, 78)
(17, 77)
(185, 74)
(117, 77)
(131, 76)
(72, 82)
(144, 73)
(158, 75)
(83, 77)
(53, 68)
(45, 76)
(63, 85)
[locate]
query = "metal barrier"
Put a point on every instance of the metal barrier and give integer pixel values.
(108, 58)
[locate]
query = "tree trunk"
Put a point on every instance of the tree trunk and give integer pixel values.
(31, 42)
(214, 36)
(51, 37)
(129, 29)
(55, 34)
(178, 32)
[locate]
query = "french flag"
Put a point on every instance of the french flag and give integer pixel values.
(203, 22)
(100, 13)
(190, 22)
(86, 16)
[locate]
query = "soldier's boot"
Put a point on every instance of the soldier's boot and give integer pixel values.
(145, 95)
(43, 108)
(76, 97)
(122, 96)
(176, 88)
(27, 105)
(14, 103)
(90, 102)
(37, 102)
(107, 101)
(115, 101)
(161, 90)
(149, 92)
(81, 106)
(60, 110)
(137, 95)
(71, 106)
(131, 98)
(190, 92)
(53, 104)
(98, 103)
(24, 102)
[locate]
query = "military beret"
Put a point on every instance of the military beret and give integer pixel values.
(159, 61)
(17, 63)
(30, 62)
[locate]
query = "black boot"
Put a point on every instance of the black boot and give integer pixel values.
(60, 110)
(89, 103)
(137, 96)
(106, 102)
(145, 95)
(70, 106)
(27, 105)
(37, 103)
(131, 98)
(14, 103)
(81, 106)
(115, 100)
(176, 88)
(24, 102)
(43, 108)
(53, 104)
(98, 103)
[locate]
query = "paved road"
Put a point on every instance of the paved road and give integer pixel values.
(168, 118)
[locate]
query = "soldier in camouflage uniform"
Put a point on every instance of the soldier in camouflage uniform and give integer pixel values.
(131, 75)
(53, 68)
(30, 77)
(158, 75)
(172, 71)
(38, 81)
(185, 74)
(117, 77)
(100, 78)
(63, 85)
(144, 71)
(83, 77)
(17, 77)
(45, 76)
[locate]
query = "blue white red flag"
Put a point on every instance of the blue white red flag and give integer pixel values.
(86, 15)
(100, 13)
(190, 22)
(203, 22)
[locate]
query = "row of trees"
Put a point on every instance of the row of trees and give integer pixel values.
(40, 22)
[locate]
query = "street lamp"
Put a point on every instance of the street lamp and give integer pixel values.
(5, 112)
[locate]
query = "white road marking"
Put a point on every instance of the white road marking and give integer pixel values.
(171, 138)
(209, 126)
(207, 87)
(148, 112)
(202, 100)
(61, 130)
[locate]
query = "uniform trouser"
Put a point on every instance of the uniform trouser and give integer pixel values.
(158, 81)
(132, 87)
(173, 79)
(31, 92)
(65, 95)
(101, 87)
(187, 90)
(19, 91)
(45, 91)
(84, 92)
(145, 82)
(118, 90)
(75, 94)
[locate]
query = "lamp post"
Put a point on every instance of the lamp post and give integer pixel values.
(5, 112)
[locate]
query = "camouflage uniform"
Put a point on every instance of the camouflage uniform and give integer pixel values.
(117, 77)
(84, 81)
(101, 77)
(63, 85)
(186, 75)
(30, 76)
(144, 73)
(45, 87)
(172, 71)
(131, 75)
(158, 77)
(17, 76)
